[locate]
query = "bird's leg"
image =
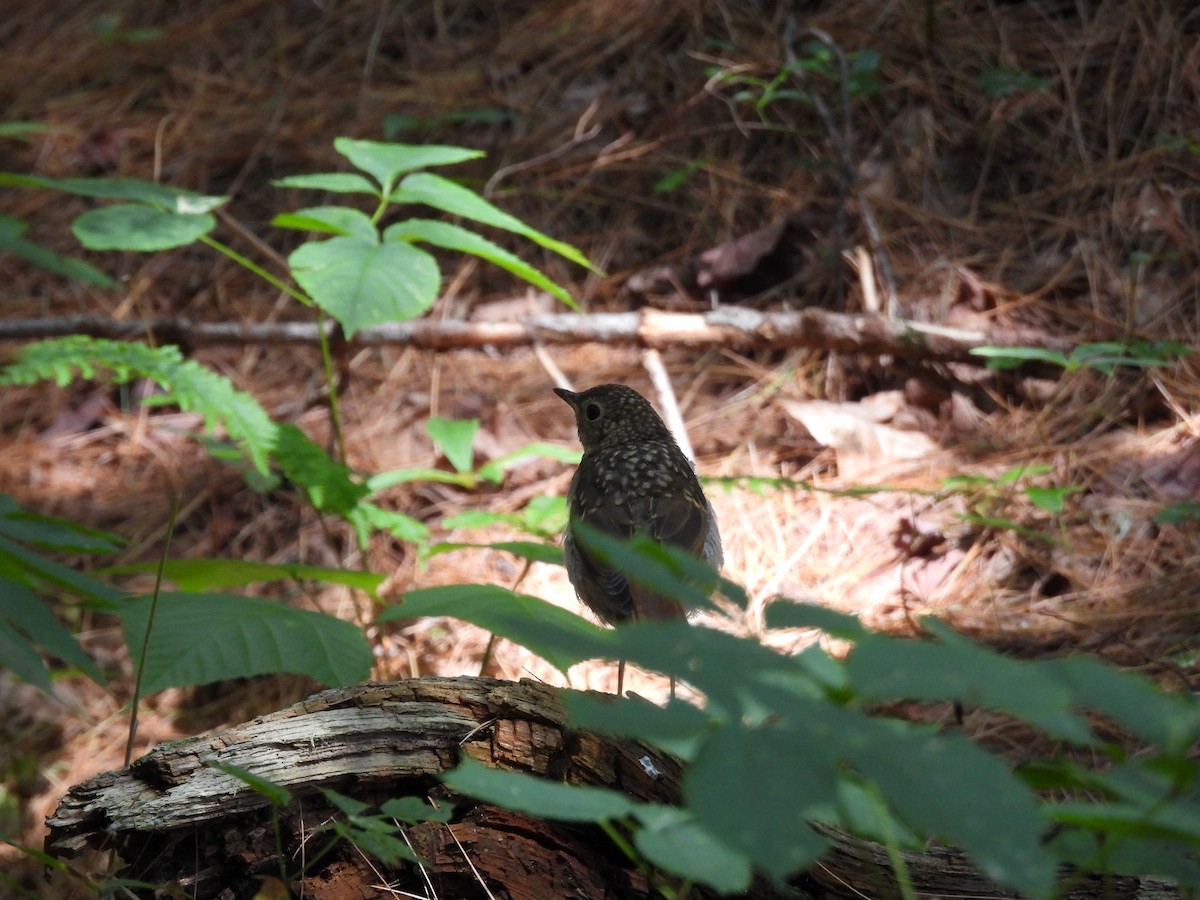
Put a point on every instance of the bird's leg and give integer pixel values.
(672, 687)
(620, 678)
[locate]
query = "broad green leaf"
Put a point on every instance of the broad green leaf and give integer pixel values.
(542, 516)
(453, 237)
(755, 788)
(18, 655)
(362, 283)
(1171, 721)
(139, 228)
(52, 533)
(11, 241)
(375, 838)
(329, 484)
(412, 810)
(215, 574)
(946, 786)
(168, 199)
(783, 613)
(538, 797)
(332, 220)
(1052, 499)
(201, 638)
(530, 550)
(335, 182)
(33, 570)
(448, 196)
(558, 636)
(456, 439)
(887, 668)
(29, 615)
(677, 729)
(387, 162)
(660, 567)
(673, 840)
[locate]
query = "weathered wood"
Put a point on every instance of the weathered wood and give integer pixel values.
(727, 327)
(174, 819)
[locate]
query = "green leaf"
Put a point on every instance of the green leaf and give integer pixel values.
(558, 636)
(23, 613)
(453, 237)
(755, 788)
(139, 228)
(946, 786)
(18, 655)
(448, 196)
(329, 484)
(1052, 500)
(367, 517)
(335, 182)
(1013, 357)
(494, 470)
(456, 439)
(275, 794)
(1171, 721)
(412, 810)
(159, 196)
(362, 283)
(52, 533)
(530, 550)
(886, 668)
(538, 797)
(201, 638)
(678, 728)
(673, 840)
(330, 219)
(191, 386)
(12, 242)
(33, 570)
(21, 129)
(214, 574)
(381, 481)
(387, 162)
(783, 613)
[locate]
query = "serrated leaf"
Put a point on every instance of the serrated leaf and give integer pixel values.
(201, 638)
(329, 484)
(362, 283)
(673, 840)
(754, 788)
(386, 162)
(882, 667)
(23, 613)
(139, 228)
(946, 786)
(449, 196)
(453, 237)
(536, 796)
(332, 220)
(678, 728)
(53, 533)
(33, 570)
(558, 636)
(19, 656)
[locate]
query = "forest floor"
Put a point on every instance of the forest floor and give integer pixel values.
(1023, 164)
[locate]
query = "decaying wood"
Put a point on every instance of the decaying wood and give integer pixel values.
(727, 327)
(173, 819)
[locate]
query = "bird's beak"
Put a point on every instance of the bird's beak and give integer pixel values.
(570, 397)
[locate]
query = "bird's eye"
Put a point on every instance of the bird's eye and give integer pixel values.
(592, 411)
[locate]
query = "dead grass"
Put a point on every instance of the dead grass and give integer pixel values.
(1070, 202)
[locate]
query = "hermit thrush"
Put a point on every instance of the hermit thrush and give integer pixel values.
(633, 479)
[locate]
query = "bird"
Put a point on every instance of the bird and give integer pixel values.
(632, 480)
